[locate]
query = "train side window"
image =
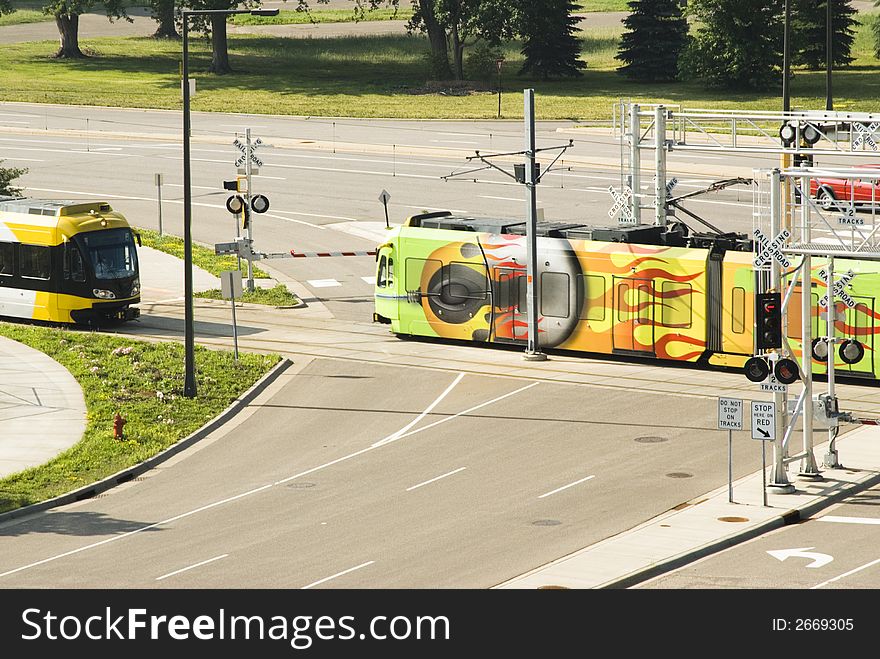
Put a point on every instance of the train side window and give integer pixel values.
(738, 310)
(7, 266)
(35, 261)
(73, 263)
(390, 277)
(555, 294)
(622, 309)
(677, 310)
(522, 285)
(593, 289)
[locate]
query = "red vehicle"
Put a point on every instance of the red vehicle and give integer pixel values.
(829, 190)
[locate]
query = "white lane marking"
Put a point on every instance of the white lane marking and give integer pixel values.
(846, 574)
(429, 208)
(238, 126)
(16, 114)
(565, 487)
(27, 159)
(368, 280)
(178, 201)
(276, 178)
(469, 410)
(327, 217)
(143, 528)
(322, 283)
(455, 471)
(848, 520)
(338, 574)
(692, 155)
(210, 560)
(485, 196)
(200, 187)
(454, 142)
(242, 495)
(400, 433)
(9, 121)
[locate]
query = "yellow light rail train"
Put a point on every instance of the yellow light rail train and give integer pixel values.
(67, 262)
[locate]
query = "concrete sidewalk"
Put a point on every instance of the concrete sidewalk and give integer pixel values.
(711, 523)
(42, 410)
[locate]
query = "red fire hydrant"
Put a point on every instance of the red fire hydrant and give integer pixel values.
(118, 423)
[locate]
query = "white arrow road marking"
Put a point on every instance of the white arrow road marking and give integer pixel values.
(402, 431)
(802, 552)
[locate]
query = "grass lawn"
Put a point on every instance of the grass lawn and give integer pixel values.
(205, 258)
(381, 76)
(140, 380)
(21, 16)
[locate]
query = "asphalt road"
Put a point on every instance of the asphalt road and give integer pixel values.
(406, 477)
(837, 549)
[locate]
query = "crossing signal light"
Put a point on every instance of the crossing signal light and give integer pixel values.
(757, 369)
(768, 320)
(786, 371)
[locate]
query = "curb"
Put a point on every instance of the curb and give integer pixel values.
(789, 517)
(120, 477)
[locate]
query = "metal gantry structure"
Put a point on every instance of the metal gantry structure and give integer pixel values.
(787, 221)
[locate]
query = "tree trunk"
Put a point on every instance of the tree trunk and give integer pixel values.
(437, 38)
(68, 29)
(164, 14)
(220, 56)
(457, 54)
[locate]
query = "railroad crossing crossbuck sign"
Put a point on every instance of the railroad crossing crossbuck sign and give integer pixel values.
(838, 289)
(863, 134)
(622, 201)
(243, 148)
(771, 249)
(763, 420)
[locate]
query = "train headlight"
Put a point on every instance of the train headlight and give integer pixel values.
(104, 294)
(135, 287)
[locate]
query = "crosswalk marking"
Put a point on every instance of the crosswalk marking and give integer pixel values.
(367, 280)
(323, 283)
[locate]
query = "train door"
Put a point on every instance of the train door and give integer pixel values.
(633, 315)
(511, 322)
(858, 323)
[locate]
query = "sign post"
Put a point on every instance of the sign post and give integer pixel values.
(230, 288)
(764, 429)
(730, 418)
(384, 197)
(159, 196)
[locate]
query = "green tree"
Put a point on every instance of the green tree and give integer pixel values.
(67, 13)
(550, 43)
(7, 176)
(215, 28)
(737, 44)
(464, 23)
(656, 32)
(6, 7)
(164, 14)
(809, 26)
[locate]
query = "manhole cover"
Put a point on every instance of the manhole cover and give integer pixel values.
(733, 519)
(546, 522)
(300, 485)
(650, 439)
(679, 474)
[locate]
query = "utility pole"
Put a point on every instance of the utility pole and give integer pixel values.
(533, 352)
(829, 56)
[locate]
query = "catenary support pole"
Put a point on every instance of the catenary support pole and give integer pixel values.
(533, 351)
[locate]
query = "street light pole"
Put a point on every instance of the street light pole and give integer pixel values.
(829, 57)
(189, 383)
(189, 380)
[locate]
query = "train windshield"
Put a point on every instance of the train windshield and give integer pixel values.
(111, 253)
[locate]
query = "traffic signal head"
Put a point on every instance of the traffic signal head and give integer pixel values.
(230, 185)
(756, 369)
(768, 320)
(786, 371)
(851, 351)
